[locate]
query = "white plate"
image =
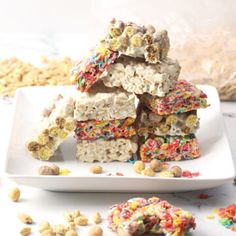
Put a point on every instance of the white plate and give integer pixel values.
(215, 165)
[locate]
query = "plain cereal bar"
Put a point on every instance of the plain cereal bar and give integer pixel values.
(105, 150)
(137, 76)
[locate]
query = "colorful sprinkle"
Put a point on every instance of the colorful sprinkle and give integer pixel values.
(119, 174)
(189, 174)
(64, 172)
(203, 196)
(210, 217)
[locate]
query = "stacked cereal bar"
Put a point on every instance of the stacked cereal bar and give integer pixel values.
(57, 124)
(140, 216)
(105, 125)
(168, 124)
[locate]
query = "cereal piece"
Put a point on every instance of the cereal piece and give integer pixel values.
(24, 218)
(44, 226)
(95, 231)
(76, 213)
(25, 231)
(138, 167)
(136, 76)
(105, 150)
(96, 169)
(33, 146)
(148, 172)
(71, 233)
(14, 194)
(81, 220)
(68, 217)
(176, 170)
(156, 165)
(46, 170)
(60, 122)
(97, 219)
(170, 148)
(166, 174)
(184, 97)
(48, 232)
(60, 229)
(55, 169)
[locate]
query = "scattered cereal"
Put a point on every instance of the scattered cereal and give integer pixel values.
(96, 231)
(96, 169)
(49, 170)
(97, 219)
(71, 232)
(14, 194)
(156, 165)
(68, 217)
(44, 226)
(71, 225)
(81, 220)
(148, 172)
(176, 170)
(139, 166)
(25, 231)
(76, 213)
(24, 218)
(60, 229)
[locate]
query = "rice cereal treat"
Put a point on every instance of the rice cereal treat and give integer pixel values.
(137, 41)
(56, 126)
(136, 76)
(113, 129)
(105, 150)
(88, 71)
(105, 104)
(173, 124)
(184, 97)
(170, 148)
(140, 216)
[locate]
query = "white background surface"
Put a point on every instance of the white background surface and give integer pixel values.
(71, 27)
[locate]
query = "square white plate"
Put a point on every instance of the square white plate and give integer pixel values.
(215, 165)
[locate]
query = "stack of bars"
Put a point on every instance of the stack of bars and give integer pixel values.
(134, 59)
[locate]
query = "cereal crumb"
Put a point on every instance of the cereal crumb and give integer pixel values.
(71, 225)
(96, 169)
(139, 166)
(71, 232)
(48, 232)
(64, 172)
(166, 174)
(14, 194)
(47, 170)
(156, 165)
(176, 170)
(148, 172)
(96, 231)
(81, 220)
(68, 216)
(24, 218)
(97, 219)
(55, 169)
(25, 231)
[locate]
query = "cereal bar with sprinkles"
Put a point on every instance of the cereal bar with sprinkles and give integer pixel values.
(173, 124)
(184, 97)
(169, 148)
(112, 129)
(106, 150)
(56, 126)
(137, 41)
(136, 76)
(88, 71)
(140, 216)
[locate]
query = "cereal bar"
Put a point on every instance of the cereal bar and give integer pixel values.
(140, 216)
(136, 76)
(105, 150)
(137, 41)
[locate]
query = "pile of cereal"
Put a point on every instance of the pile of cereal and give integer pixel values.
(15, 73)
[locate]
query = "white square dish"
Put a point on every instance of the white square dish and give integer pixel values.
(215, 164)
